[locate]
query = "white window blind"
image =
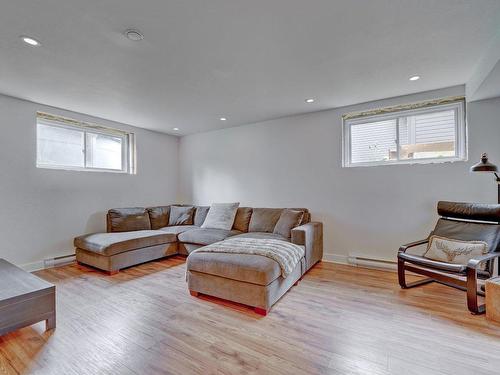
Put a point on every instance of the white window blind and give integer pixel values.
(433, 133)
(69, 144)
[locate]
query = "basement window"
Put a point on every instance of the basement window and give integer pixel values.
(427, 132)
(64, 143)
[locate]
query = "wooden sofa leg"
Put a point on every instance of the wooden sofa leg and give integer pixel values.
(260, 311)
(193, 293)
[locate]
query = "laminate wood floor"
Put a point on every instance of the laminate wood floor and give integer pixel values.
(338, 320)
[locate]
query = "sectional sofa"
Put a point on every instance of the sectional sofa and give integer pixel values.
(137, 235)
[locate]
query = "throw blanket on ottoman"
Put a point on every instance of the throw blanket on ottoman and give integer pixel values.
(287, 254)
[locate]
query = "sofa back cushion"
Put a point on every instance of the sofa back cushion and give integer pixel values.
(264, 219)
(158, 216)
(288, 220)
(181, 215)
(242, 219)
(127, 219)
(200, 214)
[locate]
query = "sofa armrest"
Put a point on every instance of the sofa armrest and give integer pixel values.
(310, 235)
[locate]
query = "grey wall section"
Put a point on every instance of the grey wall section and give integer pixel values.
(296, 162)
(42, 210)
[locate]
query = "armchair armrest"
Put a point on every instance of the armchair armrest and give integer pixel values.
(403, 248)
(310, 235)
(475, 262)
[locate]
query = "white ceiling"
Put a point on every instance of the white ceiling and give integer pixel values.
(247, 60)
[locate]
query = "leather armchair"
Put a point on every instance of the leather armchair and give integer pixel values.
(461, 221)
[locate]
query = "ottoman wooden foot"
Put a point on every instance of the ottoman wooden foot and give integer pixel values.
(193, 293)
(260, 311)
(111, 273)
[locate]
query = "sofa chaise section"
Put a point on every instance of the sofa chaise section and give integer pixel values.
(114, 251)
(255, 280)
(247, 279)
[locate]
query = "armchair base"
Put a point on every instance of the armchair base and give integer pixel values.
(470, 284)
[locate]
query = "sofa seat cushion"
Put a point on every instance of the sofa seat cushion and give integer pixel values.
(206, 236)
(109, 244)
(249, 268)
(263, 235)
(177, 229)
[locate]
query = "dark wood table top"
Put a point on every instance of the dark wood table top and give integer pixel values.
(15, 282)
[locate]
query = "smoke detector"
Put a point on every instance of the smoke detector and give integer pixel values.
(134, 35)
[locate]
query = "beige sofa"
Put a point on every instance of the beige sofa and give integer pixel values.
(137, 235)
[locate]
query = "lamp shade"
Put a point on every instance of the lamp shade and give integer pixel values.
(484, 165)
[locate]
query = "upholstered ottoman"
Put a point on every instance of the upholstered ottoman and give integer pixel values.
(250, 279)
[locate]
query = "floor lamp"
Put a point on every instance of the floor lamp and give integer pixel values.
(485, 166)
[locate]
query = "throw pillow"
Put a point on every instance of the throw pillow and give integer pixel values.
(180, 215)
(242, 219)
(288, 220)
(454, 251)
(221, 216)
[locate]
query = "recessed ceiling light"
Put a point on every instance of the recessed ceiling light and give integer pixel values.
(134, 35)
(223, 119)
(29, 40)
(414, 78)
(175, 129)
(310, 100)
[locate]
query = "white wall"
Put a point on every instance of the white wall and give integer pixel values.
(42, 210)
(296, 161)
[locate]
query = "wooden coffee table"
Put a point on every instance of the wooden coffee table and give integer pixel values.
(24, 299)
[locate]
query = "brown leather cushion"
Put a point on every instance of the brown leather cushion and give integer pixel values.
(109, 244)
(128, 219)
(469, 211)
(466, 231)
(264, 219)
(181, 215)
(158, 216)
(242, 219)
(288, 220)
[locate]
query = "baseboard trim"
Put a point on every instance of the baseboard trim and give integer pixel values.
(335, 258)
(385, 265)
(48, 263)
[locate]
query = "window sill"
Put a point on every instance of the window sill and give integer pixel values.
(406, 162)
(77, 169)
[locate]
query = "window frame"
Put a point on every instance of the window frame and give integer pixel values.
(127, 150)
(395, 114)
